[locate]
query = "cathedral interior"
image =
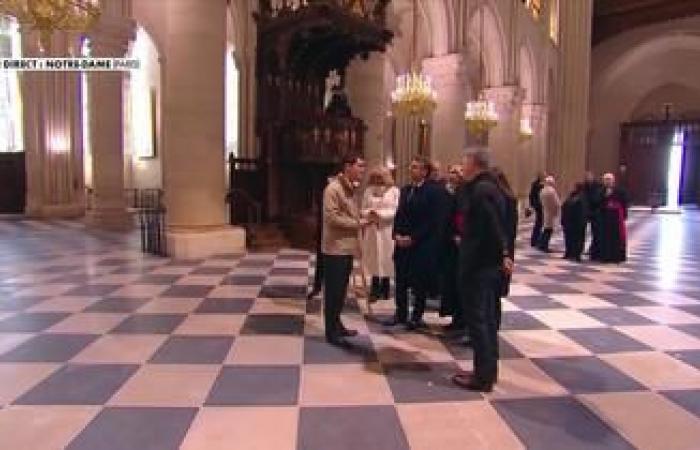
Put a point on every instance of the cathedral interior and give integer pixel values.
(158, 225)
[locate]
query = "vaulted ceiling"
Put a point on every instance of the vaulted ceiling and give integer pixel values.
(616, 16)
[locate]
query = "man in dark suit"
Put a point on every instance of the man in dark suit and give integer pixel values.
(536, 208)
(484, 258)
(415, 232)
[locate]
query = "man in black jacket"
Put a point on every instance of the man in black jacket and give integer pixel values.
(416, 227)
(536, 208)
(483, 259)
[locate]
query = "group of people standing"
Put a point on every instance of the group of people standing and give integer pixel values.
(599, 203)
(449, 237)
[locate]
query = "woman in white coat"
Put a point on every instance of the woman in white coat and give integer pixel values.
(379, 204)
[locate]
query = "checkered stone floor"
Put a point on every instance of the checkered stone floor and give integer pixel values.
(104, 348)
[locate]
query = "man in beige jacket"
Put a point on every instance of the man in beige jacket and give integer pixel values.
(340, 244)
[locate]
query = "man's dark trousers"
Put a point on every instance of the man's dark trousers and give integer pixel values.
(537, 228)
(337, 270)
(481, 303)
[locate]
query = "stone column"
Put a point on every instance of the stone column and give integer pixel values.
(567, 156)
(503, 139)
(533, 149)
(52, 133)
(450, 81)
(365, 79)
(193, 119)
(110, 39)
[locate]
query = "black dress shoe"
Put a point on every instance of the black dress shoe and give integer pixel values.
(345, 332)
(338, 341)
(313, 294)
(416, 325)
(467, 381)
(394, 321)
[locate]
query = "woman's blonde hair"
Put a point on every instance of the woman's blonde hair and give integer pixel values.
(380, 176)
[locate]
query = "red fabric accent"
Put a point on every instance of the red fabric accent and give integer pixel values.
(458, 221)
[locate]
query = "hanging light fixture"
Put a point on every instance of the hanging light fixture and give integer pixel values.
(480, 114)
(414, 94)
(47, 16)
(526, 131)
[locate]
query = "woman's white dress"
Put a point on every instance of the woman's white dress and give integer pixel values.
(377, 242)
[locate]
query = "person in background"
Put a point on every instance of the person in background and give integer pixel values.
(574, 216)
(593, 194)
(551, 208)
(341, 228)
(379, 203)
(536, 208)
(483, 259)
(511, 229)
(450, 304)
(612, 246)
(415, 254)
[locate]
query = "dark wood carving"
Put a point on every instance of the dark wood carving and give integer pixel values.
(300, 141)
(14, 185)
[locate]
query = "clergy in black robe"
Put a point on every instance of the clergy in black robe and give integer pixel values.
(593, 194)
(612, 246)
(574, 216)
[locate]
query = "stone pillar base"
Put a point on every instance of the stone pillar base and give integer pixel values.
(110, 219)
(189, 244)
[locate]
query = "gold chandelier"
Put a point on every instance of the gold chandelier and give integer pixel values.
(47, 16)
(414, 94)
(480, 115)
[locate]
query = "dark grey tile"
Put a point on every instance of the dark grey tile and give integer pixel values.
(114, 262)
(519, 320)
(49, 348)
(79, 384)
(185, 262)
(605, 340)
(351, 428)
(273, 324)
(691, 329)
(691, 357)
(631, 286)
(244, 280)
(136, 428)
(587, 375)
(149, 324)
(9, 303)
(211, 270)
(617, 317)
(193, 350)
(93, 290)
(318, 351)
(463, 352)
(255, 385)
(535, 302)
(31, 322)
(300, 257)
(187, 291)
(225, 306)
(75, 278)
(158, 279)
(255, 264)
(568, 278)
(558, 423)
(691, 309)
(418, 382)
(289, 272)
(690, 400)
(298, 291)
(117, 305)
(626, 299)
(554, 288)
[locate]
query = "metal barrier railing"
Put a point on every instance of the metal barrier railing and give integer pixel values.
(152, 227)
